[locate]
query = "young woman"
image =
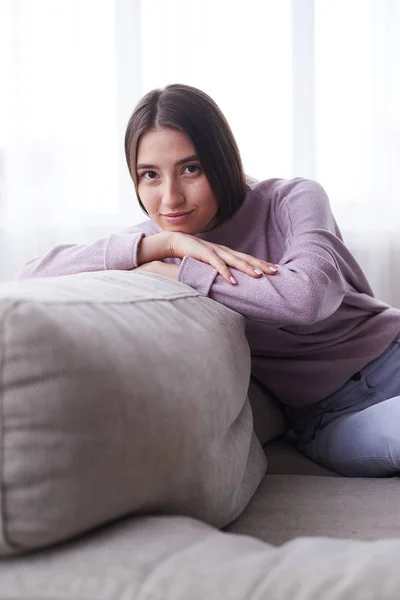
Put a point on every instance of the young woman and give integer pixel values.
(320, 342)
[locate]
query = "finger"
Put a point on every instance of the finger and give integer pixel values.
(222, 269)
(268, 268)
(264, 266)
(240, 264)
(261, 267)
(205, 252)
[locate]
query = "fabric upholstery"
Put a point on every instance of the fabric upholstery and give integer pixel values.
(284, 458)
(177, 558)
(120, 393)
(292, 506)
(268, 417)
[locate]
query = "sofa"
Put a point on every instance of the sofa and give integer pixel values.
(140, 460)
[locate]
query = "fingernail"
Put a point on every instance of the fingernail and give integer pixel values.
(257, 270)
(273, 269)
(233, 280)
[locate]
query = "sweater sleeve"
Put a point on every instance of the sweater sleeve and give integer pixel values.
(118, 251)
(309, 286)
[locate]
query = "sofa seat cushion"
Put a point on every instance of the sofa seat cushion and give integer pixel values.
(177, 558)
(286, 507)
(284, 459)
(120, 393)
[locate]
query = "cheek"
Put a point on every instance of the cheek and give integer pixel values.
(205, 196)
(212, 204)
(149, 199)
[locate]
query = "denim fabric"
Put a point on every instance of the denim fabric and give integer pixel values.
(356, 430)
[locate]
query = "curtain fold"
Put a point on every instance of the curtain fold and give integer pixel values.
(311, 88)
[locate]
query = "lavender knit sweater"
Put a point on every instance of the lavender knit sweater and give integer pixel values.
(311, 326)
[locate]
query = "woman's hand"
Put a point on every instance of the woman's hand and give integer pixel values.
(160, 268)
(220, 257)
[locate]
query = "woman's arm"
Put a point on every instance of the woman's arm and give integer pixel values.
(119, 251)
(309, 286)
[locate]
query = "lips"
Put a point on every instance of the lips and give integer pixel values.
(180, 214)
(178, 218)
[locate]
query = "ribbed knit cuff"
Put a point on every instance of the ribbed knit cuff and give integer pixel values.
(199, 275)
(121, 251)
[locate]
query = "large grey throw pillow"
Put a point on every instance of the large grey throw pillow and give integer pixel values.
(120, 393)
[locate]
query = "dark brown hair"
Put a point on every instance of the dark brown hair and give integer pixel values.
(192, 111)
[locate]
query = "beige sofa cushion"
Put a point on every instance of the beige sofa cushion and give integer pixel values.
(120, 393)
(268, 417)
(291, 506)
(176, 558)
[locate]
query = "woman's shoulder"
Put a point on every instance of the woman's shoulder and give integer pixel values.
(279, 188)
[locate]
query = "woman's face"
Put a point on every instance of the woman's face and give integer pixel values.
(171, 183)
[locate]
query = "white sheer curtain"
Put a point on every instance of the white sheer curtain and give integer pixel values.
(311, 88)
(70, 76)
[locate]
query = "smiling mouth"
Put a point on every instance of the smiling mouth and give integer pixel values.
(180, 214)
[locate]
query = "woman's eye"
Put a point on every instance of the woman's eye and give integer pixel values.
(148, 175)
(193, 168)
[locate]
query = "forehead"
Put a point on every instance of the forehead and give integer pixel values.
(163, 143)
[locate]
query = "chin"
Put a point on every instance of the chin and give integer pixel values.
(189, 230)
(191, 227)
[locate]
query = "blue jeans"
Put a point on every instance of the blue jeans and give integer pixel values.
(356, 430)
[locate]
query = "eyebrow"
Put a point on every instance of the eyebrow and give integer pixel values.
(182, 161)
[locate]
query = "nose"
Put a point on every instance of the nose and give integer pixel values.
(172, 195)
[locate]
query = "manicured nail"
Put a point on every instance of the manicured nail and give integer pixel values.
(257, 270)
(233, 280)
(273, 269)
